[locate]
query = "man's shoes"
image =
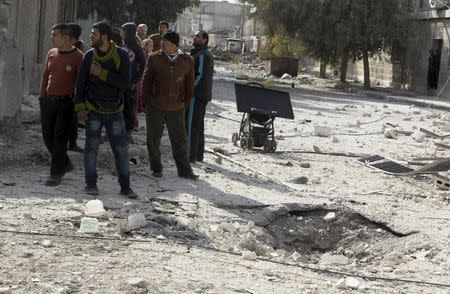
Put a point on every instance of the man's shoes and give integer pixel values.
(69, 167)
(75, 148)
(157, 174)
(190, 176)
(128, 192)
(91, 190)
(53, 180)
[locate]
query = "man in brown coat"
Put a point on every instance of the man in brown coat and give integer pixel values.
(156, 38)
(168, 87)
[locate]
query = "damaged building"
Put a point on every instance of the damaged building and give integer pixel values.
(223, 21)
(24, 32)
(417, 69)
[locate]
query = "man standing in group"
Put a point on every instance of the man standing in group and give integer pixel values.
(156, 38)
(56, 99)
(142, 31)
(73, 133)
(168, 86)
(102, 82)
(195, 113)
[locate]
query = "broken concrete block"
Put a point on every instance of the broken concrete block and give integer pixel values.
(329, 216)
(348, 283)
(137, 282)
(418, 136)
(5, 290)
(136, 221)
(391, 134)
(227, 227)
(249, 255)
(47, 243)
(328, 258)
(301, 180)
(305, 165)
(286, 76)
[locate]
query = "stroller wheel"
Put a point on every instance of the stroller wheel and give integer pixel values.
(274, 146)
(244, 143)
(270, 145)
(250, 143)
(235, 138)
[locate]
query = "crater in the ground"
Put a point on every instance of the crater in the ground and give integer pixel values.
(306, 231)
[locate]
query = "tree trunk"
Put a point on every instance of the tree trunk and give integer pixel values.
(366, 70)
(344, 66)
(323, 69)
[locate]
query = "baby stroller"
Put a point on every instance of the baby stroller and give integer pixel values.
(260, 107)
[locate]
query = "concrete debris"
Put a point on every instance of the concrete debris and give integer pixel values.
(137, 282)
(286, 76)
(391, 134)
(227, 227)
(329, 216)
(249, 255)
(418, 136)
(305, 165)
(335, 140)
(328, 258)
(301, 180)
(348, 283)
(47, 243)
(160, 238)
(136, 221)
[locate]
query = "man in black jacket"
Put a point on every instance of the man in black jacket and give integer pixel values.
(195, 113)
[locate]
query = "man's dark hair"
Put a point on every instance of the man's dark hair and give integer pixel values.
(103, 28)
(76, 30)
(164, 23)
(205, 35)
(63, 28)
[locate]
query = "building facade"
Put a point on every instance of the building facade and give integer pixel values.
(25, 27)
(429, 23)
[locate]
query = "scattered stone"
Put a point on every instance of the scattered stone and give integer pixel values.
(9, 183)
(319, 113)
(391, 134)
(348, 283)
(5, 290)
(249, 255)
(301, 180)
(367, 114)
(335, 140)
(221, 151)
(329, 216)
(305, 165)
(160, 237)
(28, 216)
(137, 282)
(218, 160)
(316, 149)
(122, 226)
(328, 258)
(227, 227)
(136, 221)
(1, 206)
(286, 76)
(418, 136)
(47, 243)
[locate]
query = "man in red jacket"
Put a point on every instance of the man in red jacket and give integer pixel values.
(57, 89)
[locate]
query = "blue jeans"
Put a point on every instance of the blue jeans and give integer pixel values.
(117, 136)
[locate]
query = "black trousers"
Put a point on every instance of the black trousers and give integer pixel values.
(128, 109)
(195, 129)
(174, 120)
(56, 118)
(73, 132)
